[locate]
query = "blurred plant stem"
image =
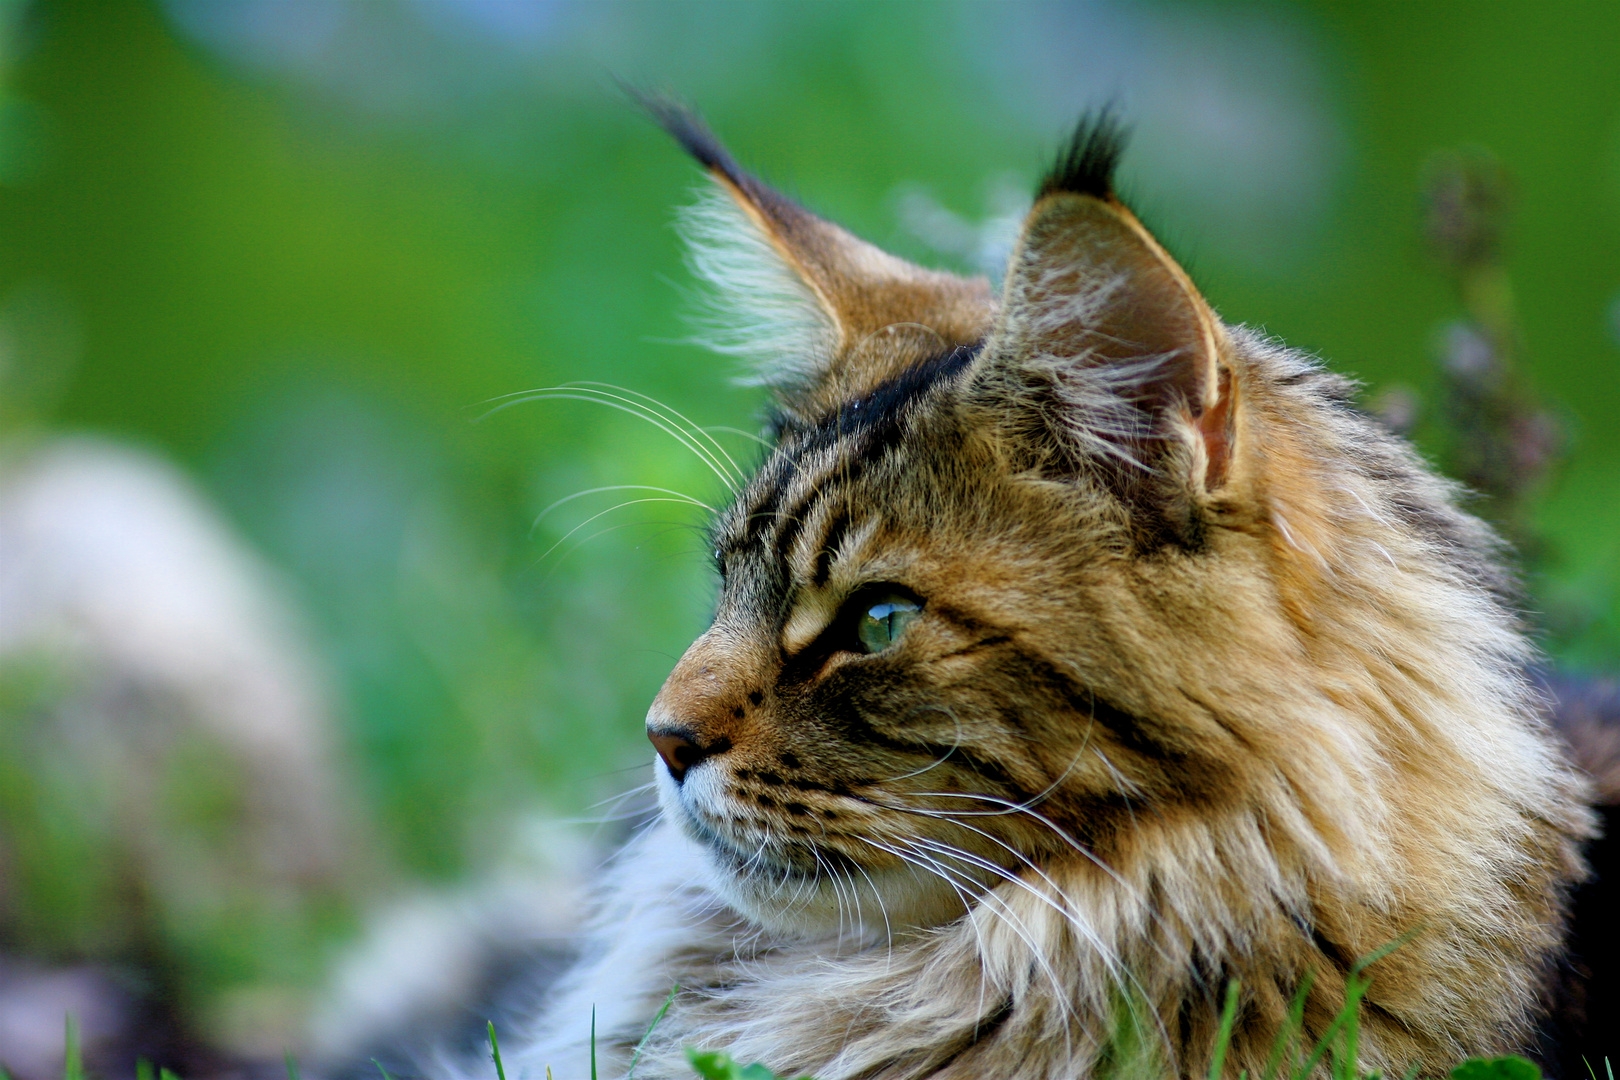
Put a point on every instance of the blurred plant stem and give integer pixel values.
(1500, 440)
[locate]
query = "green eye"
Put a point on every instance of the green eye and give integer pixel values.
(882, 623)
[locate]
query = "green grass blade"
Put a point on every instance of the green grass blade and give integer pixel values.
(292, 1066)
(1382, 951)
(72, 1063)
(165, 1074)
(1293, 1024)
(1347, 1065)
(143, 1070)
(495, 1050)
(642, 1045)
(1355, 989)
(1223, 1038)
(382, 1069)
(1325, 1045)
(593, 1043)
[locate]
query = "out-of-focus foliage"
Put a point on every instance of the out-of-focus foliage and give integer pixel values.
(305, 248)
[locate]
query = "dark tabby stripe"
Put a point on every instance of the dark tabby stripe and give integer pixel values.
(862, 431)
(857, 729)
(878, 415)
(836, 531)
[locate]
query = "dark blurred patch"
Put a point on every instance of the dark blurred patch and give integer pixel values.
(1587, 712)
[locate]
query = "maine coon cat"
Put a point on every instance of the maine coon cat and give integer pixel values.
(1075, 654)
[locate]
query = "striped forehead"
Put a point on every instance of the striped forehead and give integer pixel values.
(790, 491)
(816, 462)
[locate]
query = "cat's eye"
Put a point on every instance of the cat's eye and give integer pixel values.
(881, 624)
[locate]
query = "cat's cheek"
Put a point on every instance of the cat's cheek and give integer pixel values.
(684, 806)
(707, 814)
(669, 793)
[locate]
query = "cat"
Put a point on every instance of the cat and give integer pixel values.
(1077, 657)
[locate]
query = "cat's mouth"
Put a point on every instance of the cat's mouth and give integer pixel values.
(791, 860)
(820, 884)
(762, 855)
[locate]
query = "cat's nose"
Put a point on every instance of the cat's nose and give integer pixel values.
(680, 750)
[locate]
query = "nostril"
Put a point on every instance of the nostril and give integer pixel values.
(681, 751)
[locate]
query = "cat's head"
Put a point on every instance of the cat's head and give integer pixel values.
(1024, 579)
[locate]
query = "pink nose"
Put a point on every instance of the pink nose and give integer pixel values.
(680, 751)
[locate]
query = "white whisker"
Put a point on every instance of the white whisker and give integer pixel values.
(624, 405)
(672, 414)
(618, 487)
(766, 443)
(629, 502)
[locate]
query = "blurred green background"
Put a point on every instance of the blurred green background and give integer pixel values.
(301, 247)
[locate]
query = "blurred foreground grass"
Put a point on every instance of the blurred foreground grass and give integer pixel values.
(1336, 1053)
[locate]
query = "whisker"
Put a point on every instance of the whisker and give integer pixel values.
(628, 502)
(997, 907)
(916, 861)
(824, 870)
(937, 762)
(1022, 808)
(639, 789)
(668, 416)
(1063, 910)
(1127, 786)
(612, 401)
(1019, 855)
(766, 443)
(1071, 918)
(672, 414)
(617, 487)
(600, 820)
(557, 564)
(883, 909)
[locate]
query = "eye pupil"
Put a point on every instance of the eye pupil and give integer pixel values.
(883, 622)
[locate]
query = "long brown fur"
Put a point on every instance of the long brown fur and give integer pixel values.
(1212, 681)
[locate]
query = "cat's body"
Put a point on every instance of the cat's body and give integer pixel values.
(1075, 655)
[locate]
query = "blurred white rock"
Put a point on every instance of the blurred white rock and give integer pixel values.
(186, 733)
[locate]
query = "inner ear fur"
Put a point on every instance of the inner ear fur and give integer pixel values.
(1098, 316)
(878, 314)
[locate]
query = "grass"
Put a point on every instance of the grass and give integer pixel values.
(1338, 1047)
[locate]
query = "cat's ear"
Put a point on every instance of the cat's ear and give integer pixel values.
(823, 316)
(1103, 344)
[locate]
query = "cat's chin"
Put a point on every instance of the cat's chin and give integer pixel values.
(831, 897)
(859, 907)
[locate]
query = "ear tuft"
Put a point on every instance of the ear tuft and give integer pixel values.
(687, 128)
(825, 316)
(1106, 346)
(1086, 165)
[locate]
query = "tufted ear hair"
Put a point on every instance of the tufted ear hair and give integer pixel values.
(1104, 345)
(824, 316)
